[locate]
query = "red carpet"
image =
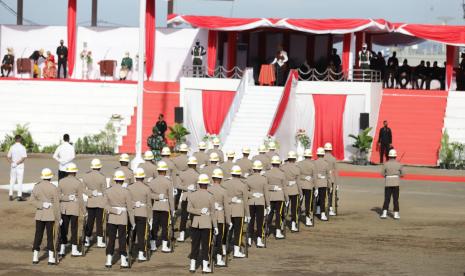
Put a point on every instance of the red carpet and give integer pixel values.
(159, 97)
(419, 177)
(416, 118)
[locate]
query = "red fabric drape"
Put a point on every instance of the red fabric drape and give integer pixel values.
(232, 46)
(283, 103)
(346, 53)
(211, 51)
(329, 111)
(149, 37)
(450, 55)
(71, 23)
(215, 106)
(358, 46)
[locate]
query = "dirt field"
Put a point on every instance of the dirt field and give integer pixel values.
(428, 240)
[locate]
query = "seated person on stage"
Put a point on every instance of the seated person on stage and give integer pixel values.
(405, 72)
(50, 68)
(37, 58)
(304, 71)
(126, 66)
(438, 73)
(418, 75)
(7, 62)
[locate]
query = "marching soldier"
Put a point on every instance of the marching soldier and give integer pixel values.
(202, 207)
(172, 171)
(180, 162)
(321, 182)
(258, 200)
(47, 204)
(263, 157)
(392, 172)
(222, 215)
(119, 207)
(163, 206)
(216, 148)
(150, 169)
(271, 149)
(238, 194)
(245, 163)
(292, 173)
(124, 163)
(188, 184)
(95, 183)
(333, 175)
(202, 157)
(197, 52)
(214, 163)
(70, 190)
(227, 166)
(278, 195)
(307, 176)
(142, 198)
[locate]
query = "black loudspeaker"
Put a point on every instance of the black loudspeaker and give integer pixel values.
(178, 115)
(364, 120)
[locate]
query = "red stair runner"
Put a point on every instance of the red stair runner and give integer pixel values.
(416, 118)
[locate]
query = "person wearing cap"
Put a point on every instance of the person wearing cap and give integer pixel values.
(321, 182)
(64, 154)
(271, 149)
(307, 177)
(262, 157)
(221, 214)
(201, 155)
(228, 164)
(149, 166)
(333, 175)
(180, 162)
(119, 207)
(188, 184)
(16, 156)
(197, 52)
(392, 171)
(202, 208)
(7, 62)
(124, 167)
(292, 173)
(278, 195)
(259, 203)
(216, 149)
(245, 163)
(163, 206)
(47, 215)
(142, 198)
(238, 195)
(95, 184)
(214, 163)
(364, 57)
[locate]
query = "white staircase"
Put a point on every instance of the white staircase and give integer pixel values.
(454, 121)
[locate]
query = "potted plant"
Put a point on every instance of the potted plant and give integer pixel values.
(178, 134)
(446, 153)
(363, 144)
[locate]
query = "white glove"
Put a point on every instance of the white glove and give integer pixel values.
(202, 166)
(308, 178)
(61, 222)
(218, 207)
(95, 193)
(268, 210)
(204, 211)
(246, 175)
(247, 219)
(137, 204)
(276, 188)
(175, 192)
(234, 199)
(191, 188)
(46, 205)
(316, 192)
(119, 211)
(167, 176)
(287, 203)
(230, 226)
(215, 231)
(72, 197)
(133, 227)
(262, 173)
(161, 196)
(150, 223)
(301, 197)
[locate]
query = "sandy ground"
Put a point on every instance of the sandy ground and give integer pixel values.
(428, 240)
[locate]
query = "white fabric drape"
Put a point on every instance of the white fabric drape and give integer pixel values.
(355, 104)
(305, 114)
(285, 133)
(193, 117)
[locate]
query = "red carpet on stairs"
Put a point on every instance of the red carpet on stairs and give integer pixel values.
(416, 118)
(159, 97)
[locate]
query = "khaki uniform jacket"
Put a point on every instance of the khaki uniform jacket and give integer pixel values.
(277, 178)
(172, 171)
(307, 180)
(208, 170)
(117, 196)
(128, 173)
(197, 201)
(142, 193)
(218, 151)
(246, 166)
(236, 188)
(162, 185)
(226, 167)
(180, 162)
(150, 170)
(321, 173)
(187, 178)
(332, 167)
(270, 154)
(94, 181)
(45, 191)
(67, 186)
(202, 159)
(292, 173)
(257, 183)
(220, 197)
(392, 172)
(266, 161)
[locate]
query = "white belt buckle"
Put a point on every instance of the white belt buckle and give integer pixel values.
(291, 183)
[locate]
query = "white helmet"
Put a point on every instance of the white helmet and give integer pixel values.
(202, 145)
(162, 166)
(214, 157)
(275, 160)
(140, 173)
(328, 146)
(236, 170)
(230, 154)
(320, 151)
(95, 164)
(46, 174)
(308, 153)
(183, 148)
(262, 149)
(165, 151)
(392, 153)
(217, 173)
(292, 155)
(119, 175)
(257, 165)
(203, 179)
(192, 161)
(246, 150)
(216, 141)
(148, 155)
(124, 157)
(272, 145)
(71, 168)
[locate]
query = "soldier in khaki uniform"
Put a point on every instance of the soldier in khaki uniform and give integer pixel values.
(95, 183)
(163, 206)
(245, 163)
(70, 190)
(47, 203)
(262, 157)
(172, 172)
(272, 150)
(142, 198)
(202, 157)
(216, 149)
(119, 207)
(188, 184)
(321, 182)
(292, 173)
(278, 195)
(124, 163)
(392, 172)
(180, 162)
(333, 175)
(306, 183)
(150, 169)
(228, 164)
(238, 195)
(222, 215)
(259, 200)
(214, 164)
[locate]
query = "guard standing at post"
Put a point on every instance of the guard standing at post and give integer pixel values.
(188, 184)
(197, 52)
(392, 172)
(333, 177)
(307, 177)
(245, 163)
(278, 195)
(321, 182)
(124, 167)
(292, 173)
(62, 53)
(228, 164)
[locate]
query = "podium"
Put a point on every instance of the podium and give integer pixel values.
(107, 68)
(24, 66)
(267, 75)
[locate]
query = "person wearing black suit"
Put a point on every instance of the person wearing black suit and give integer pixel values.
(384, 141)
(62, 53)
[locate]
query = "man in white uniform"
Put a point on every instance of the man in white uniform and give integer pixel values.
(64, 154)
(16, 156)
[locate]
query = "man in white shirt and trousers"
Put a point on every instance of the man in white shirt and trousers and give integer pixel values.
(64, 154)
(16, 156)
(280, 62)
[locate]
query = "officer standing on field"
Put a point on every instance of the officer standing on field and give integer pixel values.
(333, 176)
(321, 182)
(307, 177)
(150, 169)
(392, 172)
(124, 167)
(292, 173)
(187, 184)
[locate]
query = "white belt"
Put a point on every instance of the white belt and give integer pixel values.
(308, 178)
(392, 176)
(257, 195)
(320, 176)
(291, 183)
(163, 200)
(123, 209)
(141, 205)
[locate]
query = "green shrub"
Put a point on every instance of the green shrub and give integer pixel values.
(49, 149)
(28, 142)
(101, 143)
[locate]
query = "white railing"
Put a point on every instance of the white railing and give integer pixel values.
(200, 71)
